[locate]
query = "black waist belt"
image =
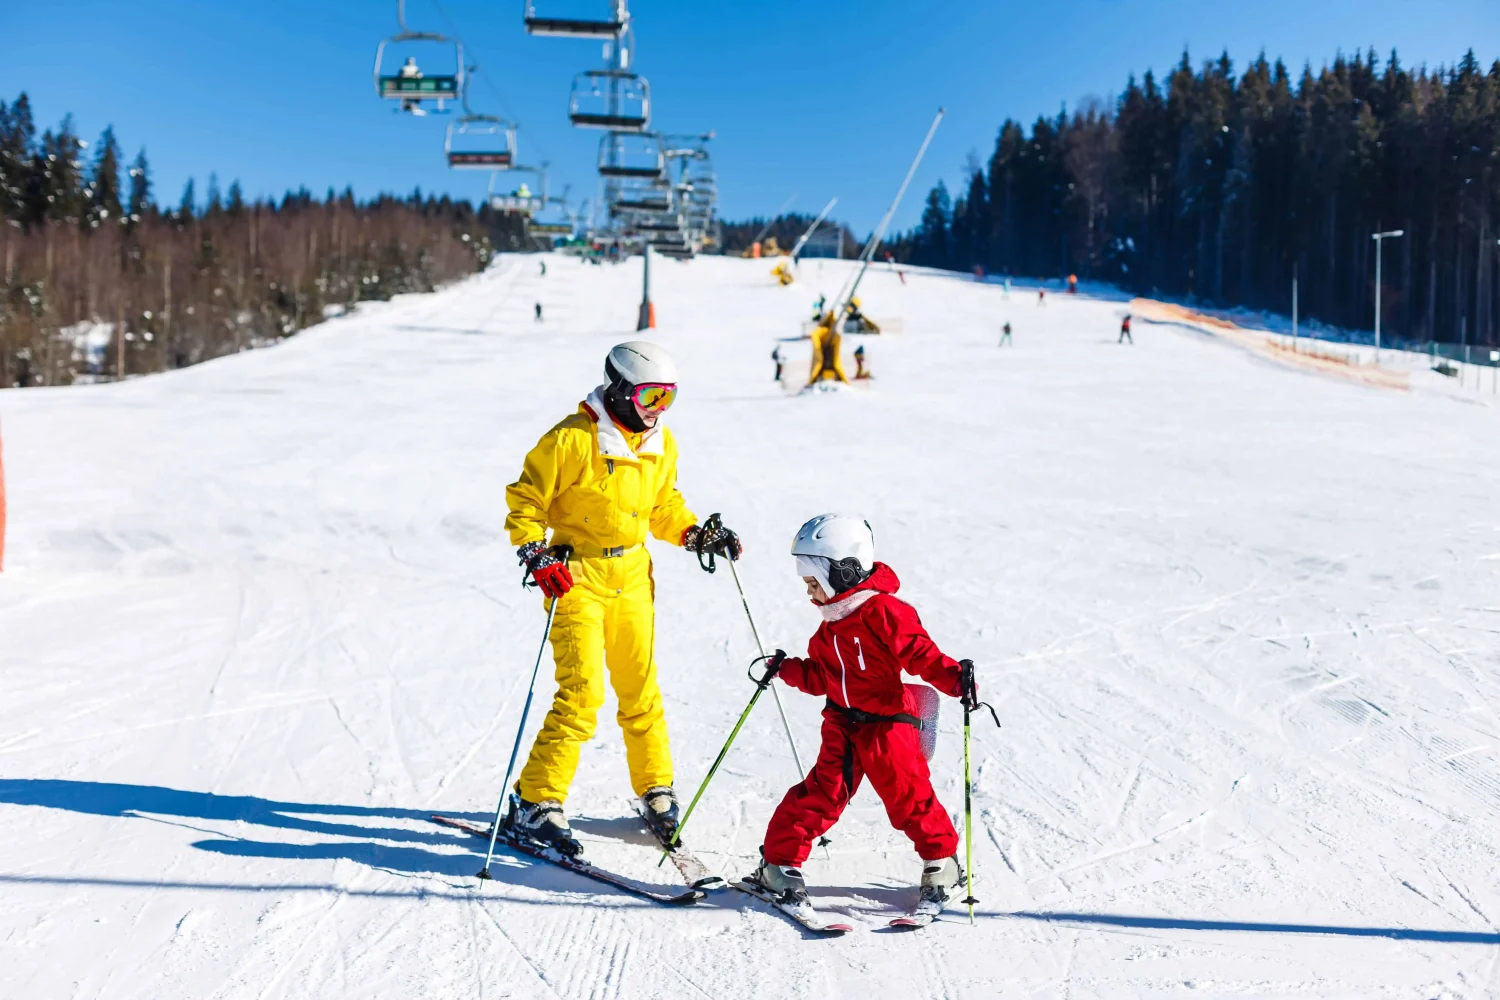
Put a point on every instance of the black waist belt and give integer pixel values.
(860, 717)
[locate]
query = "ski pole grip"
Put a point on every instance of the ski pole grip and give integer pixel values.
(710, 526)
(564, 553)
(773, 667)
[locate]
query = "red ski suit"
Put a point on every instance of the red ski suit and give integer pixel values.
(856, 662)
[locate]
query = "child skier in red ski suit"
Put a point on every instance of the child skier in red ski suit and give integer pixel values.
(856, 658)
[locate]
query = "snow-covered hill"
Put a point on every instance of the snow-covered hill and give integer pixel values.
(1242, 624)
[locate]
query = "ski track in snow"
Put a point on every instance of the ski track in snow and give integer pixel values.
(260, 617)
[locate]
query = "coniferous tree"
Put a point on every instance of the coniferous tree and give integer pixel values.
(187, 204)
(140, 188)
(1220, 187)
(103, 190)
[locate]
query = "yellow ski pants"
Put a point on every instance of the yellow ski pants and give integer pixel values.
(607, 620)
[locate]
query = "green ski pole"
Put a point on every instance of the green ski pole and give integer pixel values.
(970, 702)
(761, 683)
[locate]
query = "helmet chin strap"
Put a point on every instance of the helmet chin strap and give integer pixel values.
(622, 409)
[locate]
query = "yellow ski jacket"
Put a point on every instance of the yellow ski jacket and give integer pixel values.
(598, 487)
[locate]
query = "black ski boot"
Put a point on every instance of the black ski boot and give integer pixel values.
(543, 822)
(660, 811)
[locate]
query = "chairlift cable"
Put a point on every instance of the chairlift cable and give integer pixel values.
(847, 293)
(499, 98)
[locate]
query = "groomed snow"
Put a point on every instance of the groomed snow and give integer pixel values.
(1242, 626)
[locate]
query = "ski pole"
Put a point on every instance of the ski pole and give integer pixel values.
(761, 683)
(709, 527)
(760, 647)
(970, 702)
(563, 553)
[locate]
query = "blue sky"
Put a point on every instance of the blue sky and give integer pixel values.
(816, 98)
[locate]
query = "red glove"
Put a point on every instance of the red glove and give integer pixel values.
(546, 570)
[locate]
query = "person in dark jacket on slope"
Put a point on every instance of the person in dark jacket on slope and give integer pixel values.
(856, 658)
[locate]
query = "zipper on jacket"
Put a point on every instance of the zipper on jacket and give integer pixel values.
(843, 671)
(609, 466)
(861, 651)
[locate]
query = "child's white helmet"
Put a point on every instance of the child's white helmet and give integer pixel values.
(841, 546)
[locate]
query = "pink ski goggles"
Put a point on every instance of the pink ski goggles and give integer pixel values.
(654, 397)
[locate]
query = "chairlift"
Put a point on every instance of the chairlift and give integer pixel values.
(646, 201)
(610, 98)
(480, 142)
(664, 222)
(577, 27)
(632, 155)
(410, 83)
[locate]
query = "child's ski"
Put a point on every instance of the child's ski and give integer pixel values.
(537, 850)
(804, 913)
(693, 871)
(923, 914)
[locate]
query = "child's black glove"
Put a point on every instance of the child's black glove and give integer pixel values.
(969, 692)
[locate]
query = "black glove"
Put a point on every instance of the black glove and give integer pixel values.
(712, 539)
(969, 692)
(968, 686)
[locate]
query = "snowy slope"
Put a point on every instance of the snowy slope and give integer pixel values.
(1242, 626)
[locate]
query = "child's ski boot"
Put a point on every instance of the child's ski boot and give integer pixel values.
(941, 882)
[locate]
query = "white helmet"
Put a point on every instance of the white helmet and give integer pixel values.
(638, 361)
(835, 549)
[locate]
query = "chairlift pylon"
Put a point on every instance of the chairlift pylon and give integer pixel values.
(409, 83)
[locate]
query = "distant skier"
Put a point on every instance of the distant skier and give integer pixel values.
(538, 312)
(860, 371)
(1005, 335)
(867, 638)
(1041, 296)
(1125, 336)
(544, 267)
(818, 307)
(1007, 286)
(776, 357)
(600, 480)
(1072, 284)
(891, 262)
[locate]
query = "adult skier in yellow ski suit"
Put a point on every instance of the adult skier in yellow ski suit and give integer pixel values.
(600, 480)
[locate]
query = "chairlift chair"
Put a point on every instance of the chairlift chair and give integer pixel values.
(658, 223)
(636, 155)
(576, 27)
(615, 99)
(409, 83)
(480, 142)
(646, 199)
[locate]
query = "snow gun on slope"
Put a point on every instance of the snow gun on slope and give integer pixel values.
(783, 270)
(845, 296)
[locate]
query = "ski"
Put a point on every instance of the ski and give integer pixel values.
(536, 850)
(694, 872)
(805, 914)
(924, 914)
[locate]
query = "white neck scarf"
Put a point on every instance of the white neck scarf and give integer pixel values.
(845, 606)
(612, 443)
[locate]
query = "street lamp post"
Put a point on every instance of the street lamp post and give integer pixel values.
(1380, 239)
